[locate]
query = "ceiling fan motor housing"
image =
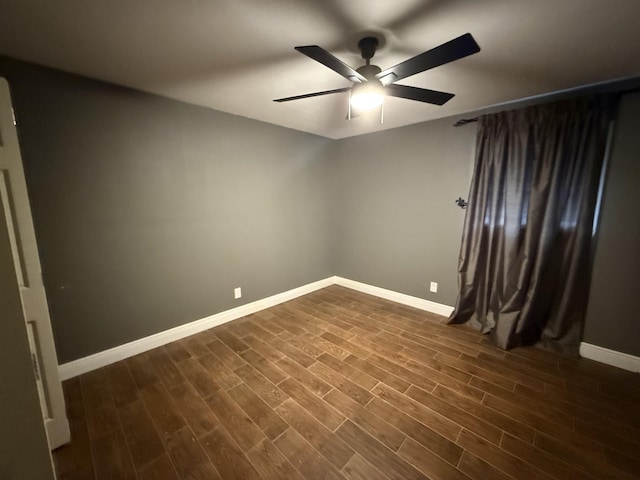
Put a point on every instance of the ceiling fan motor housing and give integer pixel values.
(369, 71)
(367, 47)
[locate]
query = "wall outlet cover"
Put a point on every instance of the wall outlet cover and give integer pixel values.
(433, 287)
(237, 293)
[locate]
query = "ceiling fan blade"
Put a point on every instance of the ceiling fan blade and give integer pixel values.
(419, 94)
(455, 49)
(319, 54)
(315, 94)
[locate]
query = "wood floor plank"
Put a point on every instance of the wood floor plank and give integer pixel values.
(586, 421)
(424, 435)
(123, 387)
(340, 382)
(478, 469)
(461, 417)
(303, 345)
(111, 458)
(271, 463)
(198, 376)
(366, 419)
(288, 325)
(101, 411)
(326, 346)
(292, 352)
(264, 366)
(363, 323)
(544, 461)
(195, 411)
(230, 340)
(473, 369)
(421, 361)
(223, 376)
(608, 433)
(376, 453)
(629, 463)
(188, 457)
(234, 419)
(357, 376)
(345, 344)
(142, 439)
(402, 372)
(373, 344)
(490, 415)
(317, 407)
(267, 323)
(542, 375)
(426, 342)
(159, 469)
(228, 459)
(165, 368)
(357, 468)
(335, 326)
(440, 423)
(261, 413)
(576, 457)
(73, 460)
(307, 460)
(321, 438)
(505, 462)
(591, 401)
(239, 328)
(195, 346)
(378, 373)
(506, 372)
(162, 409)
(265, 349)
(255, 328)
(304, 376)
(176, 351)
(539, 420)
(142, 370)
(429, 463)
(416, 348)
(265, 389)
(230, 358)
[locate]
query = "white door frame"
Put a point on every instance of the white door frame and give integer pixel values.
(14, 201)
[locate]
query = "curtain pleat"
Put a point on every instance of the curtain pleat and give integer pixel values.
(524, 265)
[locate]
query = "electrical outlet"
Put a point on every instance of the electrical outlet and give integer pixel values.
(433, 287)
(237, 293)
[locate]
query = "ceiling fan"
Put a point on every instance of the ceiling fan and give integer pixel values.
(371, 83)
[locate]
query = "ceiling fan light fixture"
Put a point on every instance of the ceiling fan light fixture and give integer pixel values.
(367, 96)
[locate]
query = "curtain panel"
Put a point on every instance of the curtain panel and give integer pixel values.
(525, 258)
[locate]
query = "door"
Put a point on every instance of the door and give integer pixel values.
(17, 214)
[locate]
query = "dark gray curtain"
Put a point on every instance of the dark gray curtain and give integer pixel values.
(525, 259)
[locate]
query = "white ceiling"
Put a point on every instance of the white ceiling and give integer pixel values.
(237, 55)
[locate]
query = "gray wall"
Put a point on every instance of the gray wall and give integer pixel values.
(24, 453)
(148, 211)
(612, 315)
(397, 226)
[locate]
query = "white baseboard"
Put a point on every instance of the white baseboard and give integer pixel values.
(115, 354)
(402, 298)
(610, 357)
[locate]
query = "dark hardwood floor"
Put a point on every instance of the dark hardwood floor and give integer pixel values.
(338, 384)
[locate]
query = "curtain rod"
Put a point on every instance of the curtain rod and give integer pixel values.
(464, 121)
(621, 92)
